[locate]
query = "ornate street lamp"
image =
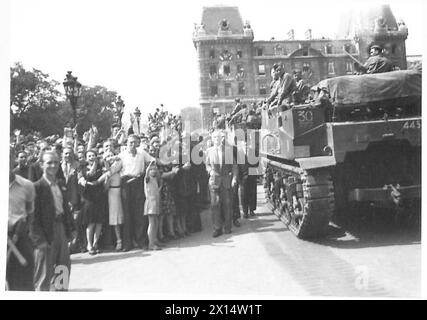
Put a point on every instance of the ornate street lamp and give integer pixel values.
(73, 90)
(118, 110)
(137, 114)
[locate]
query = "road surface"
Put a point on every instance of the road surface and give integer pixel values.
(260, 258)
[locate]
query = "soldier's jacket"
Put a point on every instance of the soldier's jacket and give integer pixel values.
(274, 91)
(287, 86)
(377, 64)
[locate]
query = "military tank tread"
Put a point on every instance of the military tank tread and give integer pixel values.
(309, 211)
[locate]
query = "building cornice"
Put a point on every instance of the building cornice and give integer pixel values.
(220, 40)
(288, 57)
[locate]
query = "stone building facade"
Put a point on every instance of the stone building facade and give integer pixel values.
(231, 64)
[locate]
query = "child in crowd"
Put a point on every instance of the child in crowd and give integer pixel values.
(152, 184)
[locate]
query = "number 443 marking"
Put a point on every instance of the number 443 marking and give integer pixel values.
(413, 124)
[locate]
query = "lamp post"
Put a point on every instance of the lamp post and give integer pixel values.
(118, 110)
(137, 114)
(73, 90)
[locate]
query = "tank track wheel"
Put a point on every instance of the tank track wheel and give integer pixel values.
(309, 203)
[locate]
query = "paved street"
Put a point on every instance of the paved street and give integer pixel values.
(260, 258)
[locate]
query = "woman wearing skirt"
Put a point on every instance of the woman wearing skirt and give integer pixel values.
(112, 184)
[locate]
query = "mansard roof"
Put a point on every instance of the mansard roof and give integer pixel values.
(211, 17)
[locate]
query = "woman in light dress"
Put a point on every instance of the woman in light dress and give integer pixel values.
(152, 186)
(112, 183)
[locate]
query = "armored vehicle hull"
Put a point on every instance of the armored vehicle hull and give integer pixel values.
(359, 148)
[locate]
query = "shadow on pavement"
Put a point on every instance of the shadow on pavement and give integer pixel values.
(255, 224)
(370, 236)
(106, 256)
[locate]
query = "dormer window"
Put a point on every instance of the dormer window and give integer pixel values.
(305, 52)
(278, 51)
(328, 48)
(259, 51)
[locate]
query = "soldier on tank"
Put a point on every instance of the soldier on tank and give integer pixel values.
(274, 86)
(283, 88)
(300, 94)
(376, 63)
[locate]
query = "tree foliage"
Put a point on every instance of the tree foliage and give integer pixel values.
(36, 104)
(34, 101)
(96, 107)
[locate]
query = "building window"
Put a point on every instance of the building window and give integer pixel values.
(306, 67)
(262, 89)
(261, 69)
(305, 52)
(242, 89)
(329, 48)
(227, 89)
(331, 68)
(214, 90)
(240, 71)
(212, 70)
(278, 51)
(212, 53)
(259, 52)
(347, 48)
(239, 54)
(226, 69)
(348, 67)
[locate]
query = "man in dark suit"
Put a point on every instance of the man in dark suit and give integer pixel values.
(70, 168)
(22, 167)
(223, 173)
(35, 170)
(50, 228)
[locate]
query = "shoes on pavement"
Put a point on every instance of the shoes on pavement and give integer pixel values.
(236, 223)
(246, 216)
(252, 214)
(217, 233)
(162, 239)
(172, 236)
(154, 247)
(227, 231)
(119, 246)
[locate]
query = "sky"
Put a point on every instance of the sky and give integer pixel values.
(144, 50)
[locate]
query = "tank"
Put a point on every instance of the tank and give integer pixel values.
(356, 147)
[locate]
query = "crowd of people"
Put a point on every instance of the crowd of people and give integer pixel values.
(70, 195)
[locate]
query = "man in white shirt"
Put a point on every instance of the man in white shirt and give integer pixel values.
(132, 172)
